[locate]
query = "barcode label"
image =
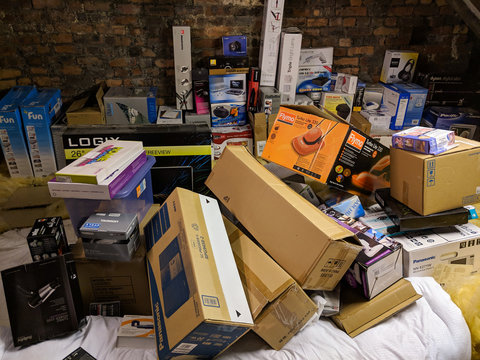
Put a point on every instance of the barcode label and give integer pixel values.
(184, 348)
(211, 301)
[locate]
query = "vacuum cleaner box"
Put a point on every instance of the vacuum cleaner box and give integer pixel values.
(429, 184)
(422, 250)
(269, 288)
(358, 314)
(275, 214)
(197, 296)
(43, 300)
(398, 66)
(316, 144)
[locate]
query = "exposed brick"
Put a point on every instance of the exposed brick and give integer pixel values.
(119, 62)
(122, 41)
(72, 70)
(118, 30)
(65, 49)
(113, 82)
(79, 28)
(317, 22)
(121, 73)
(9, 73)
(355, 2)
(148, 53)
(339, 52)
(62, 38)
(7, 84)
(385, 31)
(350, 70)
(164, 63)
(90, 61)
(352, 11)
(345, 42)
(42, 81)
(125, 20)
(441, 2)
(349, 22)
(43, 4)
(137, 72)
(38, 70)
(411, 2)
(24, 81)
(361, 50)
(97, 5)
(425, 2)
(346, 61)
(128, 9)
(336, 21)
(390, 21)
(401, 11)
(316, 12)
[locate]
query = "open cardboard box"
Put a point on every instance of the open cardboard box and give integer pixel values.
(88, 108)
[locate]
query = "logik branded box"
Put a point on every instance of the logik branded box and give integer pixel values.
(322, 147)
(289, 57)
(433, 183)
(422, 250)
(398, 66)
(198, 301)
(275, 214)
(11, 131)
(125, 105)
(37, 114)
(47, 238)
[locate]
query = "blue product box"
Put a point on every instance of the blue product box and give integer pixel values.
(11, 131)
(234, 45)
(443, 117)
(314, 78)
(37, 114)
(228, 98)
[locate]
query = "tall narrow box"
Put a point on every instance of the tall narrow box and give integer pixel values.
(182, 57)
(289, 59)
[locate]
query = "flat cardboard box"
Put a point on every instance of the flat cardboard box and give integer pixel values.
(357, 314)
(197, 296)
(88, 109)
(310, 246)
(429, 184)
(270, 291)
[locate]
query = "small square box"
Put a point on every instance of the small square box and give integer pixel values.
(47, 238)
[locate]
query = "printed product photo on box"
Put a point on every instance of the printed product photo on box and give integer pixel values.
(253, 89)
(198, 301)
(47, 238)
(313, 143)
(301, 99)
(12, 137)
(433, 183)
(125, 105)
(43, 300)
(235, 45)
(228, 96)
(372, 97)
(288, 60)
(346, 83)
(38, 113)
(182, 58)
(338, 103)
(221, 65)
(424, 140)
(270, 41)
(231, 135)
(136, 332)
(315, 68)
(87, 108)
(269, 101)
(444, 117)
(398, 66)
(169, 115)
(379, 221)
(316, 56)
(358, 98)
(201, 91)
(422, 250)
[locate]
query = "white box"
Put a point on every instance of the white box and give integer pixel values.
(270, 41)
(380, 119)
(290, 44)
(398, 66)
(182, 57)
(169, 115)
(346, 83)
(316, 57)
(422, 250)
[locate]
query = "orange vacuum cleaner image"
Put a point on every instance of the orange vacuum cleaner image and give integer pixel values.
(314, 143)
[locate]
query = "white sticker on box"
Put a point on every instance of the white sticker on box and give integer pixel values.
(261, 146)
(184, 348)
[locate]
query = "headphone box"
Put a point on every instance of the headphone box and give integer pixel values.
(398, 66)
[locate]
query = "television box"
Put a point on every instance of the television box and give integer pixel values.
(125, 105)
(275, 214)
(344, 157)
(235, 45)
(43, 300)
(182, 152)
(289, 57)
(398, 66)
(338, 103)
(429, 184)
(405, 219)
(14, 147)
(110, 236)
(136, 332)
(357, 314)
(88, 107)
(422, 250)
(231, 135)
(424, 140)
(270, 41)
(361, 123)
(269, 288)
(106, 160)
(198, 300)
(47, 238)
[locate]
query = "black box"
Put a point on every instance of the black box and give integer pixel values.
(47, 238)
(405, 219)
(43, 299)
(79, 354)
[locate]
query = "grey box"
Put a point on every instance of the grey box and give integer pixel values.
(182, 57)
(110, 236)
(194, 118)
(269, 101)
(125, 105)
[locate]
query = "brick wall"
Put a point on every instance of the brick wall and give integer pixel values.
(72, 44)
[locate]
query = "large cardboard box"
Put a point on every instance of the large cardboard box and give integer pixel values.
(325, 148)
(279, 306)
(310, 246)
(429, 184)
(358, 314)
(88, 108)
(198, 301)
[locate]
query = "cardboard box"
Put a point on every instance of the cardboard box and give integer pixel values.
(271, 292)
(200, 91)
(269, 101)
(346, 83)
(289, 57)
(182, 57)
(231, 135)
(275, 214)
(360, 122)
(398, 66)
(253, 89)
(422, 250)
(125, 105)
(372, 97)
(14, 147)
(169, 115)
(424, 140)
(88, 108)
(197, 119)
(316, 56)
(270, 41)
(136, 332)
(358, 314)
(379, 118)
(47, 238)
(318, 145)
(228, 98)
(197, 296)
(314, 79)
(261, 124)
(338, 103)
(429, 184)
(447, 118)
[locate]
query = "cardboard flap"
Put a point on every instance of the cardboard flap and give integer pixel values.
(99, 97)
(358, 314)
(77, 104)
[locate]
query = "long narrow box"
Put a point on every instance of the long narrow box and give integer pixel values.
(108, 159)
(198, 301)
(289, 58)
(12, 139)
(182, 57)
(310, 246)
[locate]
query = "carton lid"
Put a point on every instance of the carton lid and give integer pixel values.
(358, 314)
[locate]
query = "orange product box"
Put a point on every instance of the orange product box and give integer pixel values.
(316, 144)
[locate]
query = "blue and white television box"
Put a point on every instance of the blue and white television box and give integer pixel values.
(11, 131)
(37, 114)
(234, 45)
(405, 103)
(228, 97)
